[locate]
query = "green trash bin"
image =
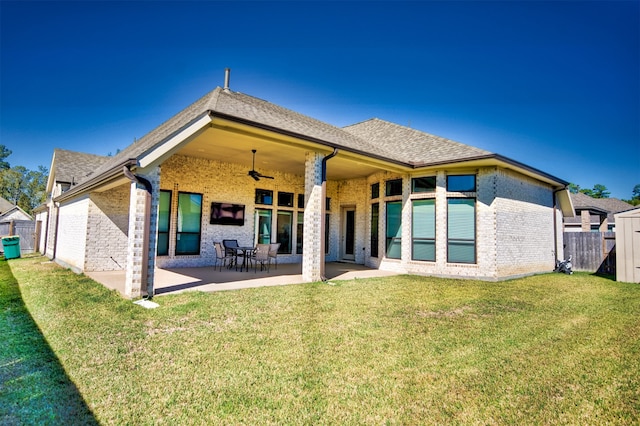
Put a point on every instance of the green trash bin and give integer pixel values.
(11, 247)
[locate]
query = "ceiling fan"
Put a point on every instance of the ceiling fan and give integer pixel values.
(255, 174)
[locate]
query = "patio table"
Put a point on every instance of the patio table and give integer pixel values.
(246, 251)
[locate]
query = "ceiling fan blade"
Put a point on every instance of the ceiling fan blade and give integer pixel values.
(265, 176)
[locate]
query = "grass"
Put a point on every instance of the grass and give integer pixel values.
(549, 349)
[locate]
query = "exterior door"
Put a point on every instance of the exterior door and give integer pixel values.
(349, 233)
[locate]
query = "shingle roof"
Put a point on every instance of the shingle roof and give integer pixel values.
(609, 205)
(409, 147)
(75, 167)
(5, 205)
(406, 143)
(251, 109)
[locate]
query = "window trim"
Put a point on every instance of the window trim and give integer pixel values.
(475, 231)
(199, 233)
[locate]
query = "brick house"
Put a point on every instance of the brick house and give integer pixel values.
(594, 214)
(374, 193)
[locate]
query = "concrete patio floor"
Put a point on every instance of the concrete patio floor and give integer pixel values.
(176, 280)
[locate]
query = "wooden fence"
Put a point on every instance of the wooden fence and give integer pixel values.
(591, 251)
(25, 229)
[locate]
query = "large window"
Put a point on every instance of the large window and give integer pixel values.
(461, 230)
(263, 226)
(284, 226)
(423, 230)
(394, 229)
(299, 232)
(189, 223)
(375, 220)
(164, 216)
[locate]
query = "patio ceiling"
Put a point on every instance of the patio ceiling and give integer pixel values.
(275, 153)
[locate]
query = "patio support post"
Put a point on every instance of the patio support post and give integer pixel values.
(313, 240)
(142, 236)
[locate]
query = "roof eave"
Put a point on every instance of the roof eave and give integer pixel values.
(105, 178)
(518, 166)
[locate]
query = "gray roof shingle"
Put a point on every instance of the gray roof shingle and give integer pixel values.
(76, 167)
(405, 143)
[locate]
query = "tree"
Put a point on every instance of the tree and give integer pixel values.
(598, 191)
(635, 196)
(573, 188)
(24, 188)
(4, 153)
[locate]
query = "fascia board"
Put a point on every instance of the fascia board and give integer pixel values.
(165, 148)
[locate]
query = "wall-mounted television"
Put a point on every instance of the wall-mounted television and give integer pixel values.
(227, 214)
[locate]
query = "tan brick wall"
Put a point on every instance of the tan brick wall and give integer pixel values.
(226, 182)
(107, 229)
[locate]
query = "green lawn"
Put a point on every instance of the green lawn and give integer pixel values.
(550, 349)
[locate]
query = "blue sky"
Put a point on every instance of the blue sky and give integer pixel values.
(553, 84)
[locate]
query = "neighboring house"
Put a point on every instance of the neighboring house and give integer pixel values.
(374, 193)
(594, 214)
(14, 213)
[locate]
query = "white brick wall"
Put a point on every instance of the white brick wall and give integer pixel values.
(72, 233)
(524, 225)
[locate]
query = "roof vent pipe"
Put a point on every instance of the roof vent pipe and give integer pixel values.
(227, 74)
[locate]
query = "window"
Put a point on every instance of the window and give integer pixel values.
(263, 226)
(327, 204)
(423, 184)
(461, 230)
(299, 232)
(393, 187)
(164, 216)
(423, 230)
(461, 183)
(375, 216)
(189, 223)
(285, 199)
(394, 229)
(285, 222)
(264, 196)
(375, 190)
(301, 201)
(326, 233)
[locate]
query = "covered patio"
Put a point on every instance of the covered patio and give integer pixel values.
(177, 280)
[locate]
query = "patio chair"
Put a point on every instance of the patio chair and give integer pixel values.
(222, 256)
(261, 255)
(231, 246)
(273, 252)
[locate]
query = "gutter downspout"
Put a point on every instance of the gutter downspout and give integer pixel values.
(148, 286)
(323, 210)
(555, 225)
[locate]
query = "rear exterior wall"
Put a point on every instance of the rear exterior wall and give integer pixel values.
(524, 225)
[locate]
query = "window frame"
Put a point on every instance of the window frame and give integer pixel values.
(168, 219)
(179, 233)
(393, 240)
(414, 239)
(463, 240)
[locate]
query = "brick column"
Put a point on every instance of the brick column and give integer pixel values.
(585, 219)
(313, 253)
(143, 218)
